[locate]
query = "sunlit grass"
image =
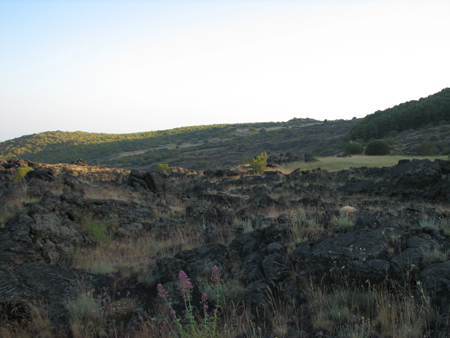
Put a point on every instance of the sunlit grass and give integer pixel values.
(356, 161)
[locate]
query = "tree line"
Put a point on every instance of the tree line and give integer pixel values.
(431, 110)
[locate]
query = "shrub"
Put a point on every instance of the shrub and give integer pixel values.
(162, 167)
(444, 129)
(259, 163)
(377, 148)
(354, 148)
(434, 138)
(20, 173)
(345, 223)
(427, 149)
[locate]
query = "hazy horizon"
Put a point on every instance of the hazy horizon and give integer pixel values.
(133, 66)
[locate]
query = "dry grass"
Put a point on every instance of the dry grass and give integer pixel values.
(14, 203)
(25, 320)
(134, 254)
(362, 312)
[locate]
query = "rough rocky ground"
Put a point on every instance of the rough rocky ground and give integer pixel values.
(270, 231)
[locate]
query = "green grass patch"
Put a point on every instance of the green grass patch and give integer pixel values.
(340, 163)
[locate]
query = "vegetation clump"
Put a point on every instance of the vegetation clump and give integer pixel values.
(354, 148)
(427, 149)
(21, 172)
(162, 167)
(377, 148)
(259, 163)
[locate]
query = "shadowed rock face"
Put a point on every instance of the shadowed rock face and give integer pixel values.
(54, 284)
(247, 225)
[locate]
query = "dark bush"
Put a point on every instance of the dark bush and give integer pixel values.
(434, 138)
(378, 148)
(427, 149)
(354, 148)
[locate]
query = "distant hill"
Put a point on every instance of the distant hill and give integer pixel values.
(432, 110)
(198, 146)
(225, 145)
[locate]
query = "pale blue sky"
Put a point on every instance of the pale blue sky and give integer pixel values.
(130, 66)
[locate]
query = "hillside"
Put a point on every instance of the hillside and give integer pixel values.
(429, 111)
(193, 147)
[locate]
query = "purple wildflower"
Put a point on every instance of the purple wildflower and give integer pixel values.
(204, 298)
(205, 307)
(183, 277)
(185, 284)
(215, 275)
(161, 292)
(172, 312)
(206, 315)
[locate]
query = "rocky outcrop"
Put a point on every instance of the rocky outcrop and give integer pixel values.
(32, 282)
(155, 184)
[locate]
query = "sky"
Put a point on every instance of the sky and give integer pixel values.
(123, 66)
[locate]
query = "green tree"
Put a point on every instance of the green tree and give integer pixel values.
(259, 163)
(354, 148)
(377, 148)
